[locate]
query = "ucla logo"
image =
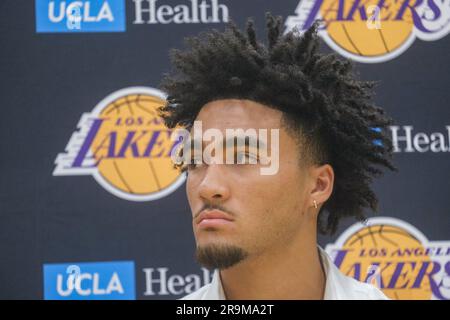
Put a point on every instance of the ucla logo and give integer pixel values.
(396, 257)
(80, 16)
(90, 281)
(125, 146)
(374, 30)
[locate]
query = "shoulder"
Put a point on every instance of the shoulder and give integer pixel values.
(361, 291)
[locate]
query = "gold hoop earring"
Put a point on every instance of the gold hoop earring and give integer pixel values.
(315, 204)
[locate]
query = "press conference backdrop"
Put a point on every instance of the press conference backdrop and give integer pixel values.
(87, 190)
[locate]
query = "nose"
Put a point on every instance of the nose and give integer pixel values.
(214, 187)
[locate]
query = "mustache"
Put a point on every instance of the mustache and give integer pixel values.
(214, 207)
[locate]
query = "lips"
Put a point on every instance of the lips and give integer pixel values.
(213, 218)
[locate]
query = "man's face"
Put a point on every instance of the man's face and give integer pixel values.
(263, 212)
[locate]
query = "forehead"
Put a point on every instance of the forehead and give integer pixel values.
(236, 113)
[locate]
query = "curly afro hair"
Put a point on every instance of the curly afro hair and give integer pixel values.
(322, 102)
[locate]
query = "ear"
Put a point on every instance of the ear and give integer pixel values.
(322, 182)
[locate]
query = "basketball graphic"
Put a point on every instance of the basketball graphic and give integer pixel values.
(356, 37)
(408, 266)
(385, 245)
(125, 145)
(372, 31)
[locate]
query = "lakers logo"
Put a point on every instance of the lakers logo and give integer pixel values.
(373, 30)
(125, 146)
(396, 257)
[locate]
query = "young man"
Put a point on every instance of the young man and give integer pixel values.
(259, 230)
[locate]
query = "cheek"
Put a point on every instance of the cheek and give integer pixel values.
(277, 199)
(263, 201)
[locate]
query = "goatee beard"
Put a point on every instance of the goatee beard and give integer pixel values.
(220, 256)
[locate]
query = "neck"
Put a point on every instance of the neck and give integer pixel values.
(291, 271)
